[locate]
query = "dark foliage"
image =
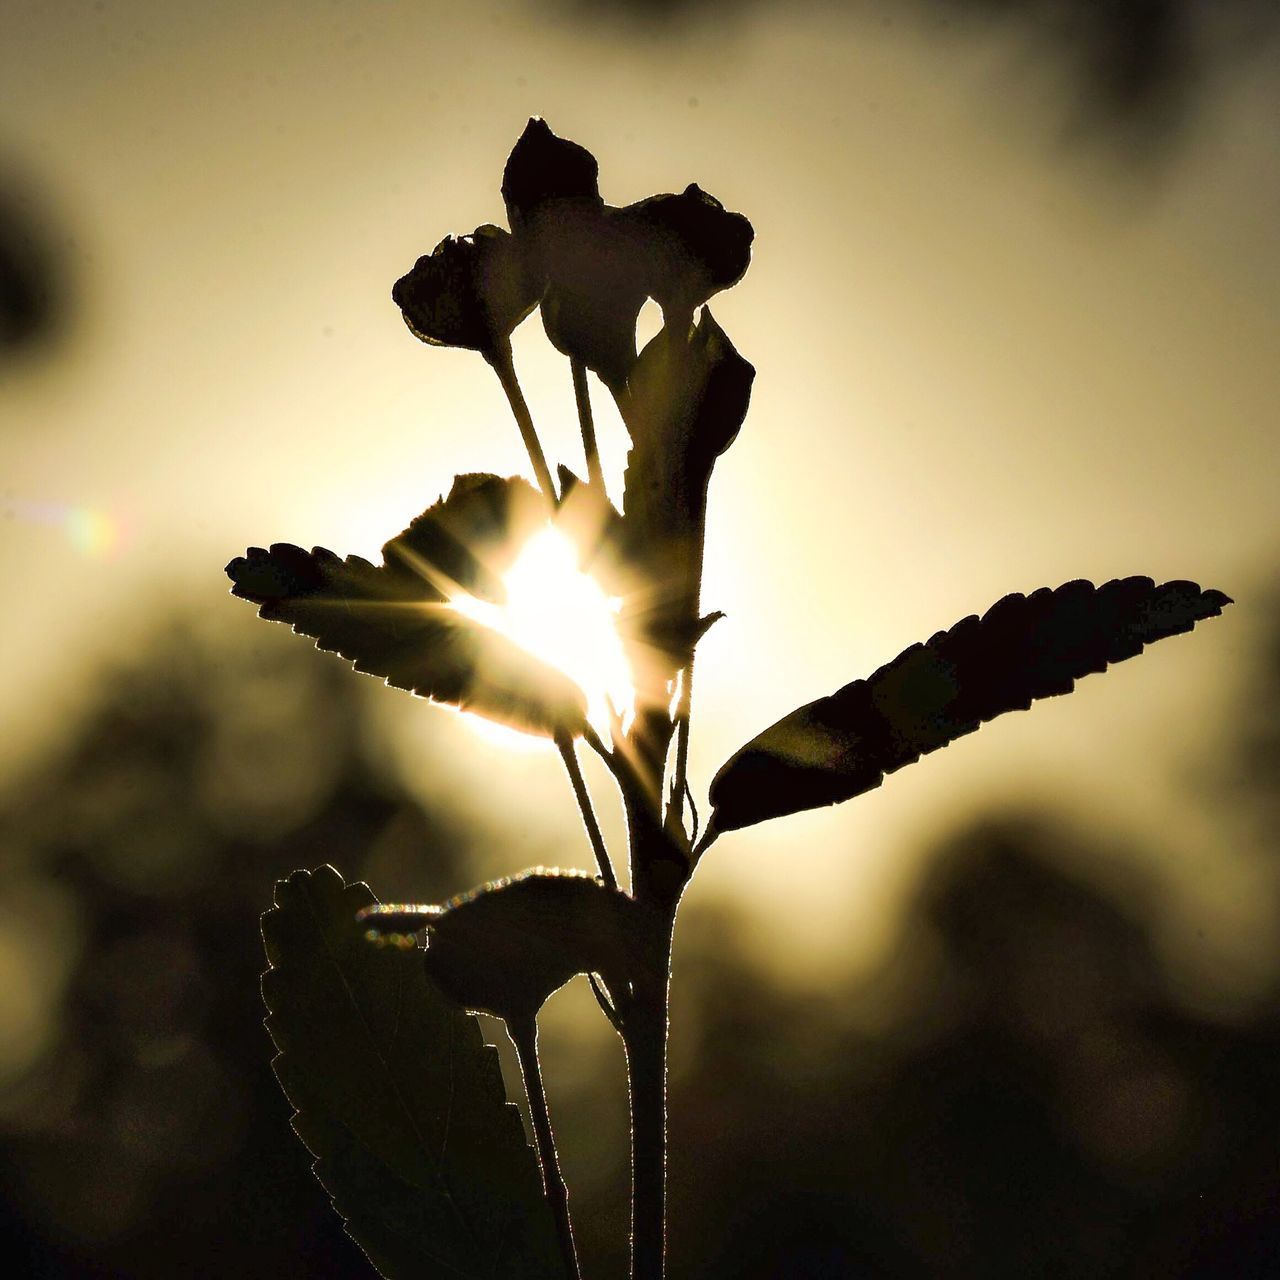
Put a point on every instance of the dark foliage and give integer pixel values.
(1142, 67)
(505, 947)
(1023, 648)
(147, 1136)
(34, 296)
(423, 1156)
(1040, 1094)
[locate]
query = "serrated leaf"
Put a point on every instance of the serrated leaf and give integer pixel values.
(398, 1097)
(505, 947)
(1021, 649)
(395, 620)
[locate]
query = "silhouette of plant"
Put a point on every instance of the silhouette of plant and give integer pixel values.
(396, 1095)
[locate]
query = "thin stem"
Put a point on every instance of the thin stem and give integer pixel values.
(592, 739)
(607, 1006)
(524, 1035)
(570, 757)
(679, 782)
(709, 837)
(582, 394)
(505, 368)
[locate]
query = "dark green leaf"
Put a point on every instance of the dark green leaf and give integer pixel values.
(468, 292)
(1021, 649)
(395, 620)
(505, 947)
(398, 1097)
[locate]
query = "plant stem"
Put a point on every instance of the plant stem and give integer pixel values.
(505, 368)
(582, 394)
(570, 757)
(524, 1035)
(679, 782)
(659, 872)
(645, 1037)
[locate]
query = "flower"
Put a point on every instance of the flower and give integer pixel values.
(470, 291)
(695, 246)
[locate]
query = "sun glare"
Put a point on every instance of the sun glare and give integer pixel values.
(563, 616)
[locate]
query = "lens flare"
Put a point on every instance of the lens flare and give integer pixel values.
(95, 534)
(563, 616)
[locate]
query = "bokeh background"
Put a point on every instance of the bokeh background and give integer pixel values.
(1015, 311)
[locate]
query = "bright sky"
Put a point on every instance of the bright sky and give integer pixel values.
(985, 363)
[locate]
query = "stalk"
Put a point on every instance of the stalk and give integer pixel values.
(659, 871)
(524, 1035)
(583, 797)
(645, 1038)
(505, 368)
(582, 394)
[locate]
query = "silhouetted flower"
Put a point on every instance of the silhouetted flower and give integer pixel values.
(470, 291)
(543, 173)
(591, 262)
(599, 263)
(696, 247)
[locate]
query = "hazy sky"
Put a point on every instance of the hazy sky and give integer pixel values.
(987, 360)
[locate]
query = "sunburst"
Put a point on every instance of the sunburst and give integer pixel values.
(563, 616)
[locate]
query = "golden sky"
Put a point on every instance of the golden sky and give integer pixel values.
(987, 360)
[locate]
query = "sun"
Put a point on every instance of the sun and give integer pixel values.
(563, 616)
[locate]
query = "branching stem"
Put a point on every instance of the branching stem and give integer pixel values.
(505, 368)
(582, 394)
(570, 757)
(524, 1035)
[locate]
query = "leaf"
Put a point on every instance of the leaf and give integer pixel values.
(505, 947)
(1023, 648)
(398, 1097)
(396, 620)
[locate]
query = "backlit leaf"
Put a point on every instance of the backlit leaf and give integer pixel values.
(505, 947)
(395, 620)
(398, 1097)
(1021, 649)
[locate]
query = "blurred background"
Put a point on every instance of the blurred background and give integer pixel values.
(1015, 311)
